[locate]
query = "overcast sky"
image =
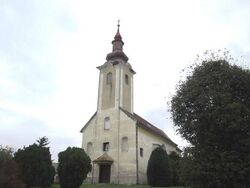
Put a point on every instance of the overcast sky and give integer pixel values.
(49, 51)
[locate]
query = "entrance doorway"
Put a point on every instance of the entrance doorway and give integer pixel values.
(104, 173)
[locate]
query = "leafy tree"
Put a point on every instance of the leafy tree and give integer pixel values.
(211, 110)
(158, 170)
(6, 152)
(9, 172)
(187, 169)
(74, 165)
(174, 160)
(35, 164)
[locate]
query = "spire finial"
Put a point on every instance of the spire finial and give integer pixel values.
(118, 25)
(117, 51)
(118, 36)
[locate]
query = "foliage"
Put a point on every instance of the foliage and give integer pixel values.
(174, 160)
(187, 171)
(6, 152)
(42, 142)
(112, 186)
(9, 172)
(158, 170)
(74, 165)
(35, 164)
(211, 110)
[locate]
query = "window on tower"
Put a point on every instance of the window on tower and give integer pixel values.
(109, 78)
(105, 146)
(126, 79)
(107, 124)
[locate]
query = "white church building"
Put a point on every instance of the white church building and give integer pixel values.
(118, 141)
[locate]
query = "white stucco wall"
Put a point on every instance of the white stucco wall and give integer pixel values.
(123, 170)
(146, 140)
(110, 98)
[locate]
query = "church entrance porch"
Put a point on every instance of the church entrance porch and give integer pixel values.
(104, 173)
(104, 163)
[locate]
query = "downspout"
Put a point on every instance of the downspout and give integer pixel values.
(137, 165)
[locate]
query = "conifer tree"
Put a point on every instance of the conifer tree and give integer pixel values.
(158, 170)
(35, 164)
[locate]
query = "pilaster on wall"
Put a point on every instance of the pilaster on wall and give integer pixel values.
(100, 89)
(121, 88)
(117, 90)
(121, 91)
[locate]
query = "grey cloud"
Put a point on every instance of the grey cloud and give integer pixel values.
(17, 130)
(25, 38)
(159, 117)
(241, 54)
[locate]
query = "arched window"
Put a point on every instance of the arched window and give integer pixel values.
(89, 148)
(125, 144)
(126, 79)
(109, 78)
(107, 124)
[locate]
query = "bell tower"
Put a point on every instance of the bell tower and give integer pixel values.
(116, 79)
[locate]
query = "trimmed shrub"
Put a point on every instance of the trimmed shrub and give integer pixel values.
(74, 165)
(158, 170)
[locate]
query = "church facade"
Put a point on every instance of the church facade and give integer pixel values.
(118, 141)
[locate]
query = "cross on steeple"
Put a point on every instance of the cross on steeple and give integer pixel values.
(118, 36)
(118, 24)
(117, 50)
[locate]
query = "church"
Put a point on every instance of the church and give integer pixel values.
(118, 141)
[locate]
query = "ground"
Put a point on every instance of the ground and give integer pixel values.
(111, 186)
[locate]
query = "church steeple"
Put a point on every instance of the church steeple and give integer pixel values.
(117, 42)
(117, 51)
(116, 79)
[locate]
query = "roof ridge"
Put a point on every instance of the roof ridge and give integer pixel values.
(147, 125)
(88, 122)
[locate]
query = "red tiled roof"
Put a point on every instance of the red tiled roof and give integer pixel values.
(148, 126)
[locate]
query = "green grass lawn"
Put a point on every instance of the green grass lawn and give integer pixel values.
(111, 186)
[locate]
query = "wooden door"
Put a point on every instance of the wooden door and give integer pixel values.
(104, 173)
